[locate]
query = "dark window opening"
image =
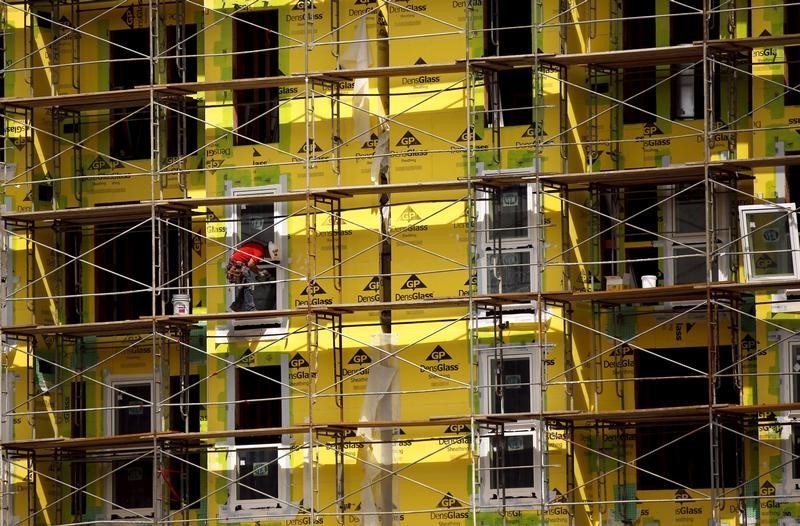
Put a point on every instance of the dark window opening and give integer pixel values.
(184, 481)
(186, 418)
(184, 473)
(132, 484)
(639, 95)
(511, 462)
(686, 27)
(686, 22)
(182, 63)
(638, 86)
(642, 213)
(257, 223)
(132, 406)
(512, 391)
(124, 269)
(78, 407)
(791, 26)
(72, 277)
(182, 67)
(793, 180)
(509, 213)
(510, 34)
(77, 478)
(509, 271)
(638, 31)
(687, 91)
(796, 452)
(130, 67)
(663, 383)
(256, 55)
(182, 128)
(132, 481)
(258, 401)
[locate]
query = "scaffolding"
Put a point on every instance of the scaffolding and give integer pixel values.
(521, 267)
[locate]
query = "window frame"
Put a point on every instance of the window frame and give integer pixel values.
(514, 497)
(515, 86)
(673, 240)
(267, 326)
(245, 508)
(112, 386)
(252, 60)
(789, 420)
(794, 243)
(529, 243)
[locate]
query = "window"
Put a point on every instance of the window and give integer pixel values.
(686, 27)
(510, 463)
(130, 67)
(259, 461)
(73, 306)
(123, 271)
(509, 240)
(661, 381)
(791, 457)
(686, 245)
(791, 26)
(256, 55)
(261, 222)
(672, 221)
(638, 84)
(769, 241)
(184, 416)
(182, 118)
(510, 98)
(789, 421)
(685, 235)
(132, 476)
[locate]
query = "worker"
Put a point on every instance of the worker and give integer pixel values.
(243, 269)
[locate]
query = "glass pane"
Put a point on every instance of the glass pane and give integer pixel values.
(513, 269)
(796, 451)
(512, 462)
(132, 416)
(256, 222)
(258, 474)
(690, 214)
(690, 266)
(794, 370)
(770, 245)
(510, 214)
(133, 484)
(514, 385)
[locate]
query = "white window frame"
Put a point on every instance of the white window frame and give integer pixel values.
(794, 244)
(674, 241)
(112, 383)
(246, 508)
(269, 327)
(514, 497)
(786, 419)
(531, 243)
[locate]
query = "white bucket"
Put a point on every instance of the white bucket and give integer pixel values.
(649, 281)
(181, 304)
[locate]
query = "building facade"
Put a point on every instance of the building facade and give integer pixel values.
(530, 262)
